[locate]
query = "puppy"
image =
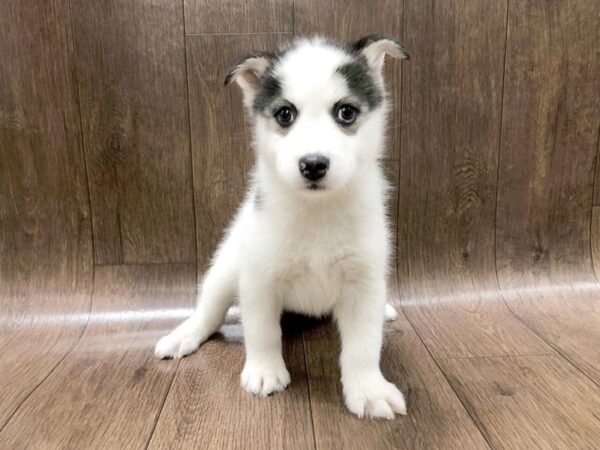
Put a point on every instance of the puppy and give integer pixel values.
(312, 235)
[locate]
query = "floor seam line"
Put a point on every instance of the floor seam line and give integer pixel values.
(312, 419)
(445, 358)
(60, 361)
(190, 140)
(595, 273)
(241, 34)
(548, 342)
(474, 418)
(143, 264)
(162, 405)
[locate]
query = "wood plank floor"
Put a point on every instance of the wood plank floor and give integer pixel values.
(528, 401)
(110, 392)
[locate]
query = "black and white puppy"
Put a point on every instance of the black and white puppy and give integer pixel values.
(312, 235)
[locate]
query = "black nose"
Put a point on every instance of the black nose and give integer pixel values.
(313, 167)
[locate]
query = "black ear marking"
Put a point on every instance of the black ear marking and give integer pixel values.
(245, 62)
(376, 46)
(366, 41)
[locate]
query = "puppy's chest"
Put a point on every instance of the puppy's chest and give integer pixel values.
(309, 290)
(313, 261)
(313, 283)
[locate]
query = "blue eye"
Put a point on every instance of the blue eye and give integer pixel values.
(346, 115)
(285, 116)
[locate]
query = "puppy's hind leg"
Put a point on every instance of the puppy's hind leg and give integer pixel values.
(390, 313)
(218, 292)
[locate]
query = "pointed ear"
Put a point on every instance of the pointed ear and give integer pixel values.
(374, 48)
(248, 71)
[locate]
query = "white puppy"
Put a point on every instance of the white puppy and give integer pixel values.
(312, 235)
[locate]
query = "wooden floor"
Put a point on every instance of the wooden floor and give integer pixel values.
(90, 380)
(122, 159)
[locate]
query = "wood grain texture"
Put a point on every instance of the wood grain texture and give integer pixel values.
(220, 139)
(108, 392)
(529, 402)
(451, 103)
(546, 177)
(597, 175)
(207, 408)
(236, 17)
(131, 70)
(28, 356)
(45, 233)
(595, 240)
(436, 418)
(45, 228)
(349, 19)
(549, 142)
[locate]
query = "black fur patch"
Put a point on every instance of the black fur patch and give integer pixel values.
(269, 91)
(361, 83)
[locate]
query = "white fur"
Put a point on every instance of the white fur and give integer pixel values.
(310, 252)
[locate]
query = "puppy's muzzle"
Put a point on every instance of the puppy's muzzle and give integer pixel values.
(313, 167)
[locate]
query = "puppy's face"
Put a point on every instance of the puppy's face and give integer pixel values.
(318, 109)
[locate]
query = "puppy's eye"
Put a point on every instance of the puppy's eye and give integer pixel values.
(285, 116)
(346, 115)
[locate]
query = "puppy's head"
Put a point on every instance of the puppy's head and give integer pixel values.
(317, 108)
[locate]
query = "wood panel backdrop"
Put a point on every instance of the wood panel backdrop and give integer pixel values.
(122, 159)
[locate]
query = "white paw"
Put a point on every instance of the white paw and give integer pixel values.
(264, 379)
(378, 399)
(234, 314)
(181, 342)
(390, 313)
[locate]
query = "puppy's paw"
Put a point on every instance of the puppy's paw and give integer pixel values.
(179, 343)
(264, 379)
(390, 313)
(375, 399)
(234, 314)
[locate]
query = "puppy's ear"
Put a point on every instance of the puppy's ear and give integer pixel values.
(248, 71)
(374, 48)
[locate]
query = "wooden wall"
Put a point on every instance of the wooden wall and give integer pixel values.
(120, 146)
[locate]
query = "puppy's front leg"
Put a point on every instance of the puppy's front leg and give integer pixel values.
(264, 371)
(360, 315)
